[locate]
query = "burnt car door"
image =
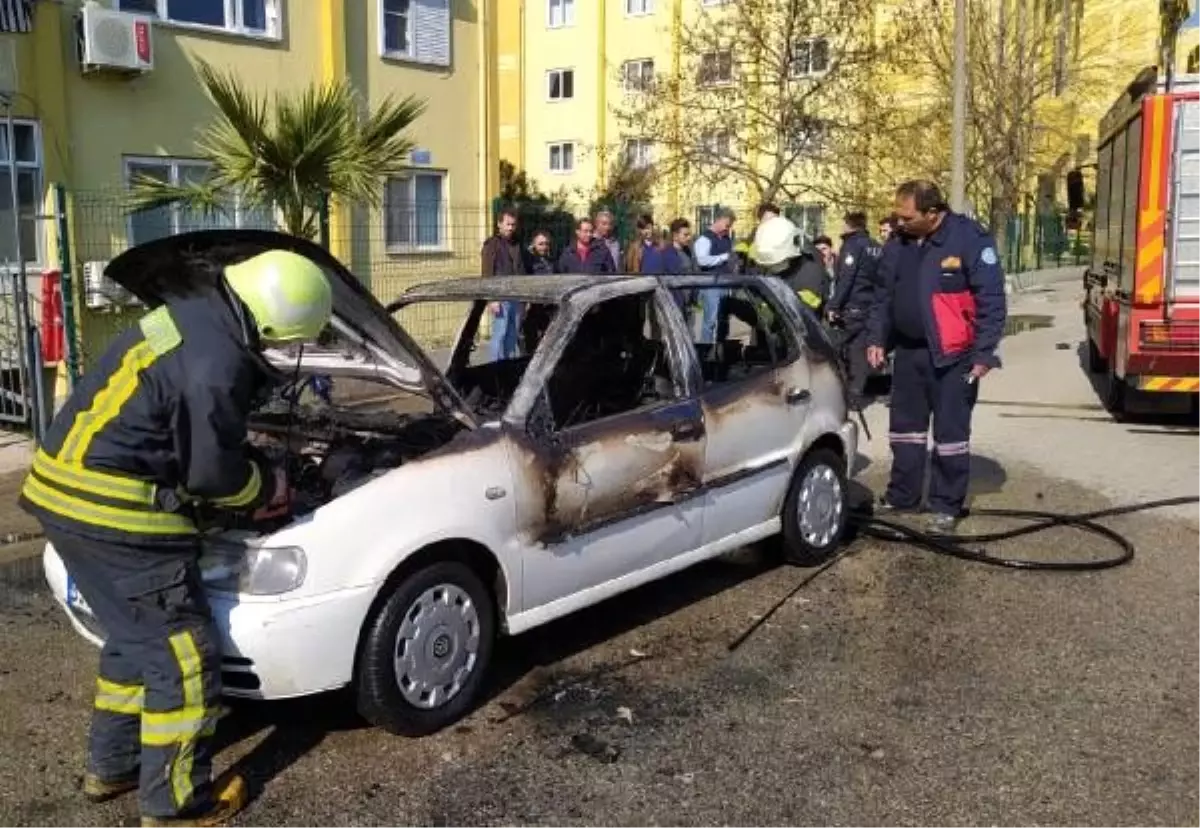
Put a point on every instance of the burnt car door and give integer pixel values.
(755, 396)
(612, 449)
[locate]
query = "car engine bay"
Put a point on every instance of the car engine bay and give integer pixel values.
(329, 448)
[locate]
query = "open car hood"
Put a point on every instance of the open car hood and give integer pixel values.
(190, 263)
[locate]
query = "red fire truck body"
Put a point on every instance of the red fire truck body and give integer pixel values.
(1142, 307)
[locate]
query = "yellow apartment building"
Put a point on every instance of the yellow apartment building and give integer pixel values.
(564, 65)
(99, 92)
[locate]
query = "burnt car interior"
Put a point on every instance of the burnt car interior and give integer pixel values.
(762, 344)
(488, 385)
(616, 361)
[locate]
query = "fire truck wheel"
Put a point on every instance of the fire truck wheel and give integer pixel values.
(1114, 394)
(1095, 362)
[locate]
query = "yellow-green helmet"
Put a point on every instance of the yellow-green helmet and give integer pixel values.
(287, 294)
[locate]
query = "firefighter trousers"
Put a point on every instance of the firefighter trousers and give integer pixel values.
(920, 392)
(158, 688)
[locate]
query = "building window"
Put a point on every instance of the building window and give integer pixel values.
(560, 13)
(716, 68)
(638, 8)
(638, 75)
(28, 161)
(415, 30)
(414, 207)
(715, 144)
(560, 84)
(809, 138)
(562, 157)
(258, 17)
(810, 57)
(639, 152)
(808, 218)
(148, 225)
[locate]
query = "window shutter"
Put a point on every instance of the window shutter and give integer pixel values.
(431, 31)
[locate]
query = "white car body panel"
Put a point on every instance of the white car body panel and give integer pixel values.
(628, 502)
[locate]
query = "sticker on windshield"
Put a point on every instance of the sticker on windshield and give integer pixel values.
(988, 256)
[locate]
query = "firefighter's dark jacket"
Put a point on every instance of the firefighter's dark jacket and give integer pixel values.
(156, 427)
(857, 268)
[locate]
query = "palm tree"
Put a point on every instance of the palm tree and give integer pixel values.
(290, 155)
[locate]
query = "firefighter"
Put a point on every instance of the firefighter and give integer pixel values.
(779, 250)
(942, 304)
(853, 297)
(155, 431)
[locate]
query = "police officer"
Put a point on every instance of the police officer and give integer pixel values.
(853, 297)
(942, 306)
(154, 431)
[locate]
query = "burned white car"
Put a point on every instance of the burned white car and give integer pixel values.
(436, 510)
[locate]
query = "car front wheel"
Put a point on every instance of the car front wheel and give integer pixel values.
(815, 511)
(426, 650)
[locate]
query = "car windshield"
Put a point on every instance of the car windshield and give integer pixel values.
(482, 346)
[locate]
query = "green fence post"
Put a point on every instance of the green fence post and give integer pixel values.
(66, 283)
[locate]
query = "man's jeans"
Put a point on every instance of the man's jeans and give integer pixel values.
(710, 304)
(505, 328)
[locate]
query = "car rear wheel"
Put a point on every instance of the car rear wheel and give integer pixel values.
(426, 650)
(816, 508)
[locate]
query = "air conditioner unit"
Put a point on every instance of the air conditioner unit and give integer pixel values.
(114, 42)
(101, 291)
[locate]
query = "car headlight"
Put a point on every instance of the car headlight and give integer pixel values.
(253, 570)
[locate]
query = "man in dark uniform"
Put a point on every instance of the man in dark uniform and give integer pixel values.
(155, 431)
(853, 298)
(942, 305)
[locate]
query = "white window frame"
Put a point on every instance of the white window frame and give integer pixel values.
(383, 47)
(174, 164)
(639, 152)
(38, 253)
(234, 25)
(561, 145)
(442, 245)
(711, 84)
(560, 72)
(567, 14)
(640, 63)
(809, 72)
(639, 8)
(712, 3)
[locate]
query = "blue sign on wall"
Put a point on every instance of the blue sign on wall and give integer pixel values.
(422, 156)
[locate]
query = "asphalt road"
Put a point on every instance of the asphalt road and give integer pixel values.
(896, 687)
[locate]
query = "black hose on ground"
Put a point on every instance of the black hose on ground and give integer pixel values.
(955, 546)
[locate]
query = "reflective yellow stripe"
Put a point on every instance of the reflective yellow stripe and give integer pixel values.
(160, 337)
(88, 480)
(247, 493)
(178, 727)
(106, 404)
(109, 517)
(119, 698)
(190, 668)
(809, 298)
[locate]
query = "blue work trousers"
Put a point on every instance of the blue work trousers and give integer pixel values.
(921, 392)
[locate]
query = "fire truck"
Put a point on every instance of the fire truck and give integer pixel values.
(1142, 305)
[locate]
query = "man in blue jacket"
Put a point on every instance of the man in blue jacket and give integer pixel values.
(942, 306)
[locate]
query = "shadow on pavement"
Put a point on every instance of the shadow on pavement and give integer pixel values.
(1136, 401)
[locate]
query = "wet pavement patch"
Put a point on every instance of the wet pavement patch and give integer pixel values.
(1021, 322)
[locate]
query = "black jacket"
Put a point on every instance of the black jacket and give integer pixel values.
(501, 257)
(157, 426)
(808, 273)
(857, 274)
(597, 260)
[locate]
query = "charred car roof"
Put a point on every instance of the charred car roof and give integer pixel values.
(551, 289)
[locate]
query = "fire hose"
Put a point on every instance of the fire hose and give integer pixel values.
(967, 546)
